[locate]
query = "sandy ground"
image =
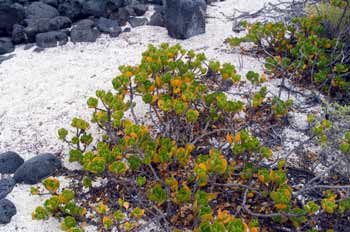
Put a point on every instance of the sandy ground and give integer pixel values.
(41, 91)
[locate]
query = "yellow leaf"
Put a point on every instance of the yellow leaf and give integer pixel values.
(129, 74)
(261, 178)
(229, 138)
(237, 138)
(281, 206)
(148, 59)
(126, 205)
(158, 81)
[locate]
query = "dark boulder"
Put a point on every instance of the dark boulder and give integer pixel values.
(123, 14)
(9, 16)
(6, 186)
(113, 5)
(53, 3)
(85, 24)
(7, 211)
(137, 22)
(37, 168)
(185, 18)
(84, 31)
(59, 22)
(41, 25)
(10, 161)
(140, 9)
(157, 19)
(18, 34)
(36, 26)
(38, 10)
(94, 8)
(72, 9)
(109, 26)
(51, 39)
(84, 35)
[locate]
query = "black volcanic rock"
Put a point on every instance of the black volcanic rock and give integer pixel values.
(6, 186)
(37, 168)
(9, 16)
(38, 10)
(72, 9)
(185, 18)
(18, 34)
(109, 26)
(140, 9)
(51, 39)
(7, 211)
(9, 161)
(123, 14)
(157, 19)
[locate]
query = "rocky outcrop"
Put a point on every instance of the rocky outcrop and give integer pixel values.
(42, 21)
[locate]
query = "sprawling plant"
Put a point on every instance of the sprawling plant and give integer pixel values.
(195, 163)
(304, 50)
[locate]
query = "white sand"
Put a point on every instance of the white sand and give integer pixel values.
(41, 92)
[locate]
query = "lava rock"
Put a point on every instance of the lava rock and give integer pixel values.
(10, 161)
(36, 26)
(123, 14)
(9, 16)
(157, 19)
(113, 5)
(84, 35)
(41, 10)
(7, 211)
(94, 8)
(6, 46)
(140, 9)
(51, 39)
(6, 186)
(136, 22)
(72, 9)
(59, 22)
(18, 34)
(185, 18)
(109, 26)
(53, 3)
(37, 168)
(85, 24)
(41, 25)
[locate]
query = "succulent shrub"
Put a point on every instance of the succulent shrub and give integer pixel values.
(196, 164)
(302, 49)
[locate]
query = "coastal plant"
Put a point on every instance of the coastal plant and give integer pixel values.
(305, 49)
(196, 162)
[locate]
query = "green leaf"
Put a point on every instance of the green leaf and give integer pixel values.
(157, 194)
(62, 134)
(141, 180)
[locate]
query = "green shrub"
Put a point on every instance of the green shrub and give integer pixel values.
(159, 170)
(301, 51)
